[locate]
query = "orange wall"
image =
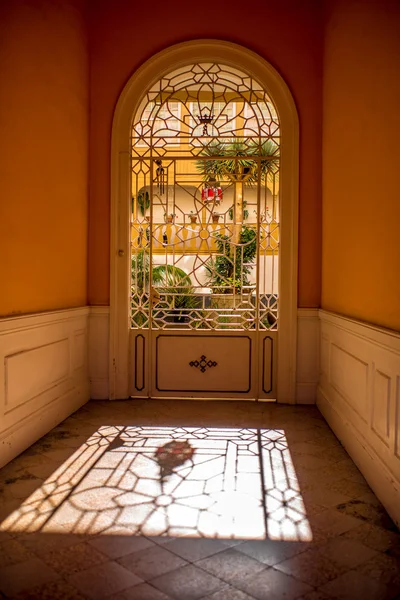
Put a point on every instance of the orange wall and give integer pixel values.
(361, 161)
(43, 155)
(124, 34)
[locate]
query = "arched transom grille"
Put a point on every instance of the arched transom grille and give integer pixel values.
(188, 109)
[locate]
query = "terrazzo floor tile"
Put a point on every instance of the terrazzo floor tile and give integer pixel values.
(324, 496)
(117, 546)
(195, 549)
(91, 511)
(57, 590)
(347, 553)
(228, 593)
(372, 513)
(272, 552)
(24, 575)
(331, 523)
(312, 567)
(353, 585)
(316, 595)
(188, 583)
(39, 543)
(231, 565)
(273, 584)
(12, 552)
(374, 537)
(73, 558)
(103, 580)
(143, 591)
(151, 562)
(383, 568)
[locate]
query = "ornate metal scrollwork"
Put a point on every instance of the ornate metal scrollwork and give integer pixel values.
(203, 363)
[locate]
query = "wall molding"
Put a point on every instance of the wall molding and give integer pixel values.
(359, 396)
(307, 355)
(99, 352)
(50, 350)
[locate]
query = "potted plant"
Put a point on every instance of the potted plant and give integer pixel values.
(173, 291)
(231, 267)
(227, 273)
(192, 217)
(215, 217)
(169, 218)
(265, 216)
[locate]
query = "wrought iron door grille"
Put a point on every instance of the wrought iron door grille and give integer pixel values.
(205, 203)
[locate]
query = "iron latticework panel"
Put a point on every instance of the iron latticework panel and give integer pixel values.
(205, 203)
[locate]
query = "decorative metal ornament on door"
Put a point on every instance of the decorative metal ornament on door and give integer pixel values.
(203, 364)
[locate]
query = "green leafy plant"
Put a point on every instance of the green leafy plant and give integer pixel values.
(230, 268)
(143, 202)
(173, 285)
(162, 275)
(238, 161)
(176, 291)
(245, 212)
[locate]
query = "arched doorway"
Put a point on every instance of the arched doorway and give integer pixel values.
(204, 228)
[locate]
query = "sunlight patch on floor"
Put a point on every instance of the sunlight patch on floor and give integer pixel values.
(234, 483)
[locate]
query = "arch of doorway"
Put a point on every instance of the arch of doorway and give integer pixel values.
(128, 103)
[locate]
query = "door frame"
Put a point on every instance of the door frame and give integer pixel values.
(149, 73)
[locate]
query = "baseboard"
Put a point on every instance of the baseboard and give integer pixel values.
(306, 393)
(359, 396)
(99, 327)
(307, 355)
(43, 375)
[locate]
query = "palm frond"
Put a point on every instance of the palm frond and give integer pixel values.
(238, 152)
(169, 275)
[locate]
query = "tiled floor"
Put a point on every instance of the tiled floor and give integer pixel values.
(163, 500)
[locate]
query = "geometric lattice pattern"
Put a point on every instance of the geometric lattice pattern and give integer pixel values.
(171, 120)
(236, 483)
(205, 203)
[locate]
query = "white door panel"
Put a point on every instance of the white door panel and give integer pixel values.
(199, 365)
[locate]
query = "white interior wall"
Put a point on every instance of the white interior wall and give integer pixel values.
(269, 270)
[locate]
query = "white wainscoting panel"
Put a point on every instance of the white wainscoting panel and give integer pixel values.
(43, 375)
(31, 372)
(99, 352)
(358, 395)
(307, 355)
